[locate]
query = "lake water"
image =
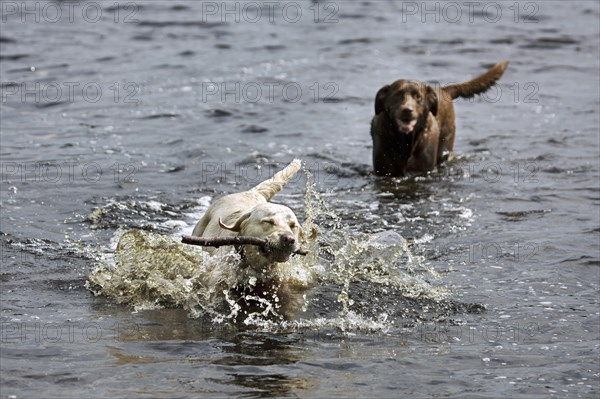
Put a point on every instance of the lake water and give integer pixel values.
(480, 279)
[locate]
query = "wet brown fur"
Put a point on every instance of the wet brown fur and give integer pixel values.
(396, 150)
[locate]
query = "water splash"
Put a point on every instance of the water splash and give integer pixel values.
(359, 281)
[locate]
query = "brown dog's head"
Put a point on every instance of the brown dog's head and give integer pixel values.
(273, 222)
(407, 104)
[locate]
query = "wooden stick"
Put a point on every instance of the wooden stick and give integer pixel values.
(220, 241)
(239, 240)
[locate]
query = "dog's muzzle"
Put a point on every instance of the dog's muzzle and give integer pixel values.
(406, 121)
(283, 247)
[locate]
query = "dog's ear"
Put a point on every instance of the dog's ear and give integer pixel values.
(432, 100)
(238, 223)
(380, 98)
(305, 239)
(311, 237)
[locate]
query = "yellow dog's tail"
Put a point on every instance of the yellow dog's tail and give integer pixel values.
(275, 184)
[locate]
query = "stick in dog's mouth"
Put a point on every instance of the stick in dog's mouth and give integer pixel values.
(239, 240)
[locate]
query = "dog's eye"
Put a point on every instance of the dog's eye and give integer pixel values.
(417, 96)
(268, 221)
(293, 225)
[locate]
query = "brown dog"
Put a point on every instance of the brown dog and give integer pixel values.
(413, 126)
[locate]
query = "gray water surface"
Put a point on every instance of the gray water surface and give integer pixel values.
(133, 115)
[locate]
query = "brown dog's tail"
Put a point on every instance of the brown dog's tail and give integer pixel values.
(275, 184)
(478, 85)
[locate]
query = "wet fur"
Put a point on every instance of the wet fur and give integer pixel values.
(397, 149)
(250, 213)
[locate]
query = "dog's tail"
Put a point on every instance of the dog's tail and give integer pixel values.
(275, 184)
(478, 85)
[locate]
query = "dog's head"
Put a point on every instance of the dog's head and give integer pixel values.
(273, 222)
(407, 104)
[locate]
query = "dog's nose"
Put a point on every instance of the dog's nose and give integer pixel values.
(288, 239)
(406, 112)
